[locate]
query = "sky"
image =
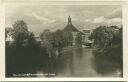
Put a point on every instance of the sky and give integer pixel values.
(53, 17)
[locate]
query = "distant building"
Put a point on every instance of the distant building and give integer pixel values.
(85, 38)
(38, 39)
(84, 34)
(9, 38)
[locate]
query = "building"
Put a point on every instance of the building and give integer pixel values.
(71, 29)
(85, 38)
(84, 34)
(9, 38)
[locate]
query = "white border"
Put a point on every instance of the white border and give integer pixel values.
(125, 40)
(19, 1)
(2, 42)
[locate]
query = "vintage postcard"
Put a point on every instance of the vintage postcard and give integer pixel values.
(65, 40)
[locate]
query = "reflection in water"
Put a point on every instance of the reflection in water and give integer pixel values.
(78, 63)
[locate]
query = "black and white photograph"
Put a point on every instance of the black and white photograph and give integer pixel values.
(63, 41)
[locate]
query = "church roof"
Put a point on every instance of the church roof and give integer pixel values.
(71, 28)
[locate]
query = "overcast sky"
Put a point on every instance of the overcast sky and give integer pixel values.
(40, 17)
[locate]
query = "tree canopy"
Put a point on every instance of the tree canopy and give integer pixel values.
(104, 35)
(20, 31)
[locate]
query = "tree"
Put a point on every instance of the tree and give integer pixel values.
(58, 39)
(20, 32)
(79, 39)
(108, 41)
(102, 36)
(31, 39)
(25, 56)
(46, 38)
(117, 38)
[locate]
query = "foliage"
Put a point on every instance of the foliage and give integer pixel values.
(25, 56)
(58, 40)
(20, 32)
(103, 36)
(108, 46)
(31, 39)
(79, 39)
(46, 37)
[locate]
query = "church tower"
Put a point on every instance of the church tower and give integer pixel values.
(69, 20)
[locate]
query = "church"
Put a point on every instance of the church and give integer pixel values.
(84, 34)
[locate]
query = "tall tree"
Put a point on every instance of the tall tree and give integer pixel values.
(102, 36)
(108, 41)
(58, 39)
(46, 37)
(20, 32)
(79, 39)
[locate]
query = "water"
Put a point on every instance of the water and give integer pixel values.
(78, 62)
